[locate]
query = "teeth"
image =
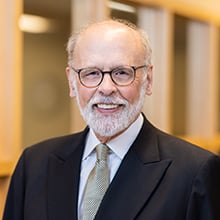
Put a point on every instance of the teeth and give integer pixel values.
(107, 106)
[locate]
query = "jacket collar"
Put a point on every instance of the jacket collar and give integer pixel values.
(63, 178)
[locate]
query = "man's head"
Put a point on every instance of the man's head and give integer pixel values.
(109, 72)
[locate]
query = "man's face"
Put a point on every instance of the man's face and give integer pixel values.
(109, 109)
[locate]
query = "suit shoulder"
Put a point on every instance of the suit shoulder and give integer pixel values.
(170, 146)
(60, 145)
(176, 147)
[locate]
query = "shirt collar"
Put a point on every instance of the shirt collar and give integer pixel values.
(119, 145)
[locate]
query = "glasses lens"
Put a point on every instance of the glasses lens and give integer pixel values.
(123, 75)
(90, 77)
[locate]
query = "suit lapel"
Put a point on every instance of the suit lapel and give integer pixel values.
(139, 174)
(63, 180)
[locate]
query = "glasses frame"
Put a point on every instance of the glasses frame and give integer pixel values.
(78, 71)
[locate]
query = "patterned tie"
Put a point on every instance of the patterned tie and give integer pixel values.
(97, 183)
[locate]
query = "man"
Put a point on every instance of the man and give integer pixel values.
(152, 175)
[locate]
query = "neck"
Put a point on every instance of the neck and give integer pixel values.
(105, 140)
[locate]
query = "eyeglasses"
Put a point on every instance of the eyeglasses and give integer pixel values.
(121, 76)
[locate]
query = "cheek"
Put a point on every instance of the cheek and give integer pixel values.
(132, 94)
(84, 95)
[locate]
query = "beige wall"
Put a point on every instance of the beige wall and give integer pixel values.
(4, 182)
(46, 103)
(10, 90)
(204, 10)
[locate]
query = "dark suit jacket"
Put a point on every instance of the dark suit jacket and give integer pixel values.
(160, 178)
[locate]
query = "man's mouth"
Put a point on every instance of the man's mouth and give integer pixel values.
(107, 108)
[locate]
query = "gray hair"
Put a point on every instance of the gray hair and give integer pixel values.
(71, 44)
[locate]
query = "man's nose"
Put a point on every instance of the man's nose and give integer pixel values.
(107, 86)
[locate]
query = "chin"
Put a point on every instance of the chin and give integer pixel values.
(108, 126)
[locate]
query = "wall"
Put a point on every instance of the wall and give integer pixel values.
(46, 102)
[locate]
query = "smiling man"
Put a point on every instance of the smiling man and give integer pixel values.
(113, 77)
(120, 167)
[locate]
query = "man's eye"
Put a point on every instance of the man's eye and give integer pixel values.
(121, 73)
(92, 73)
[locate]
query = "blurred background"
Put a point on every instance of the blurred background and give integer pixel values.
(35, 104)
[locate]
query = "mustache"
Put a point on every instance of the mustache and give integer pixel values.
(112, 99)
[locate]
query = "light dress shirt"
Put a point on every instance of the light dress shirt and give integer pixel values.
(118, 149)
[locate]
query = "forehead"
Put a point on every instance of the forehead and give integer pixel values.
(108, 42)
(107, 27)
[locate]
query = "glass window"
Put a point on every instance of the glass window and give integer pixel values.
(179, 76)
(46, 104)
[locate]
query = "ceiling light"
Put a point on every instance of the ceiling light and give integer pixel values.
(36, 24)
(121, 7)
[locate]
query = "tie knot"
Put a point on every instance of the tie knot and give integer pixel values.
(102, 152)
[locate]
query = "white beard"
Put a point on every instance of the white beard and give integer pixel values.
(110, 125)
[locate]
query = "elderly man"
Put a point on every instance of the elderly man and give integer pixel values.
(120, 167)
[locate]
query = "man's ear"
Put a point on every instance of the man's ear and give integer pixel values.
(149, 80)
(70, 76)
